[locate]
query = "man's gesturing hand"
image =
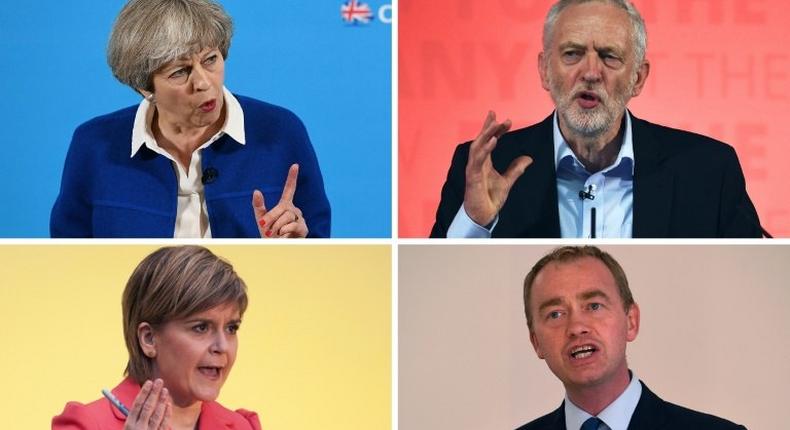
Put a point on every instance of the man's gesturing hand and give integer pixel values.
(486, 190)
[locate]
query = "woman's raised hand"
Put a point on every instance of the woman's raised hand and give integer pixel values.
(285, 219)
(151, 409)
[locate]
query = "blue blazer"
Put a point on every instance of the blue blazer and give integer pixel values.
(106, 193)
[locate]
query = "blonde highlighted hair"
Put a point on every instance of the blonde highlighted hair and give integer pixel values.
(149, 34)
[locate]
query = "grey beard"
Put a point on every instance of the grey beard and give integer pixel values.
(593, 124)
(588, 124)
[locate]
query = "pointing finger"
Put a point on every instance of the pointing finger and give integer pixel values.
(290, 183)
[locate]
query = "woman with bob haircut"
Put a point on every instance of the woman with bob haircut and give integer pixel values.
(182, 308)
(192, 159)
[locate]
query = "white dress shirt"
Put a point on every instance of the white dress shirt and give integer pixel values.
(616, 416)
(191, 214)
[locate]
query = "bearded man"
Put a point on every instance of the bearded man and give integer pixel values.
(592, 169)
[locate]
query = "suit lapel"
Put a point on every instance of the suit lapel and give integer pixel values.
(535, 212)
(214, 417)
(559, 418)
(649, 413)
(652, 184)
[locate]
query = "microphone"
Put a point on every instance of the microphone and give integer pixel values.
(587, 194)
(210, 175)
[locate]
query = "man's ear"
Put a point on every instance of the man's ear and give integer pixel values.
(146, 339)
(641, 77)
(536, 344)
(543, 70)
(633, 322)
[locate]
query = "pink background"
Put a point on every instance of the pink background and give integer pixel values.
(719, 67)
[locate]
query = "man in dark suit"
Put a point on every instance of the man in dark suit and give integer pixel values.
(581, 314)
(592, 169)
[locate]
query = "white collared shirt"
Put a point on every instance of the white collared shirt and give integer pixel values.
(616, 416)
(191, 213)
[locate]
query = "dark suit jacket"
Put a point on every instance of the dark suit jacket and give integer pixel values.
(651, 413)
(685, 186)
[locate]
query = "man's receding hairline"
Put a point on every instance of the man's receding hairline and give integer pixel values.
(571, 261)
(637, 31)
(628, 28)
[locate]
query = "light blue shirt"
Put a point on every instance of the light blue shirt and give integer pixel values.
(616, 416)
(613, 188)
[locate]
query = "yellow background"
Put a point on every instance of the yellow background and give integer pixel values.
(314, 347)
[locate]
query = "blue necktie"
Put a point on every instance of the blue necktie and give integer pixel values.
(591, 424)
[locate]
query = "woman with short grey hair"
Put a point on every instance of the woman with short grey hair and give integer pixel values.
(192, 159)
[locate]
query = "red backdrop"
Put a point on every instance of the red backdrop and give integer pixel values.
(718, 67)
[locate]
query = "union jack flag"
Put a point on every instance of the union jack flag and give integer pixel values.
(353, 11)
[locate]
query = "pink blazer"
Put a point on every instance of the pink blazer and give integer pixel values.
(102, 415)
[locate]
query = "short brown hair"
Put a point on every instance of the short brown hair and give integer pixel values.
(567, 254)
(173, 283)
